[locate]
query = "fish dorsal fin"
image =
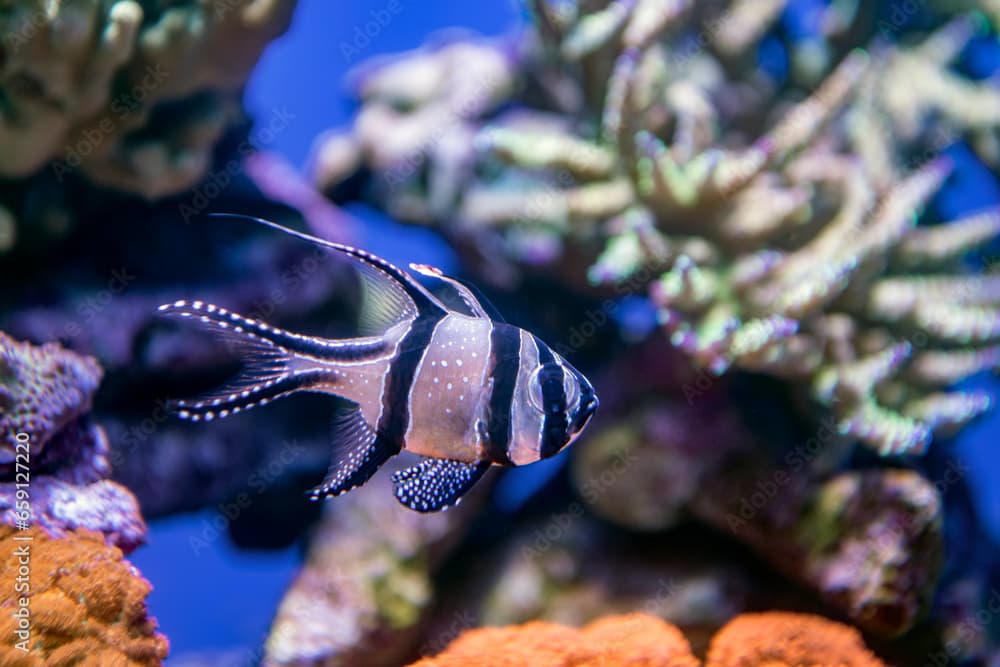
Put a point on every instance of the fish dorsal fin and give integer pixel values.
(390, 295)
(459, 295)
(435, 484)
(358, 453)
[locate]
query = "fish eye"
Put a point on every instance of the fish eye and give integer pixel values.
(548, 373)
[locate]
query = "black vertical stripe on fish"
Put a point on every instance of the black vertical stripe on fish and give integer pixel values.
(505, 363)
(395, 417)
(554, 421)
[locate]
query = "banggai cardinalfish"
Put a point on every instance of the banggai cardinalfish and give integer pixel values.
(439, 374)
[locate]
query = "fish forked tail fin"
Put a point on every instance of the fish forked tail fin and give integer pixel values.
(269, 371)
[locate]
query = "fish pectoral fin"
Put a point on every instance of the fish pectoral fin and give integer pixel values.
(267, 374)
(435, 484)
(459, 295)
(358, 453)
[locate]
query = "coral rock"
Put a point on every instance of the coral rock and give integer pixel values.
(644, 471)
(868, 543)
(42, 390)
(87, 604)
(637, 640)
(135, 94)
(780, 639)
(44, 393)
(366, 583)
(59, 508)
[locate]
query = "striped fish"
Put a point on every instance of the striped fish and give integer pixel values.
(436, 373)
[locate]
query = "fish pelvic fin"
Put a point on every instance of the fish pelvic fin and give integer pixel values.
(358, 453)
(436, 484)
(270, 370)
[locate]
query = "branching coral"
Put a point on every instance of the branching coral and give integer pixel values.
(87, 605)
(772, 225)
(134, 93)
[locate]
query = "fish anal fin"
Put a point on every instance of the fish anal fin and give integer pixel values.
(435, 484)
(358, 453)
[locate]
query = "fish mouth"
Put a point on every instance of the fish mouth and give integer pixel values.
(586, 412)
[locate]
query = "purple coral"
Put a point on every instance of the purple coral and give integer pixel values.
(42, 390)
(45, 393)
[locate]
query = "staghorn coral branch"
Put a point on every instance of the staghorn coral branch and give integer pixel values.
(947, 412)
(548, 150)
(750, 343)
(817, 288)
(892, 299)
(686, 285)
(801, 124)
(743, 24)
(949, 241)
(958, 324)
(854, 381)
(595, 30)
(888, 431)
(946, 367)
(650, 19)
(898, 210)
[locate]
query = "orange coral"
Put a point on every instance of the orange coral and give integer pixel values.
(87, 604)
(772, 639)
(782, 639)
(633, 640)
